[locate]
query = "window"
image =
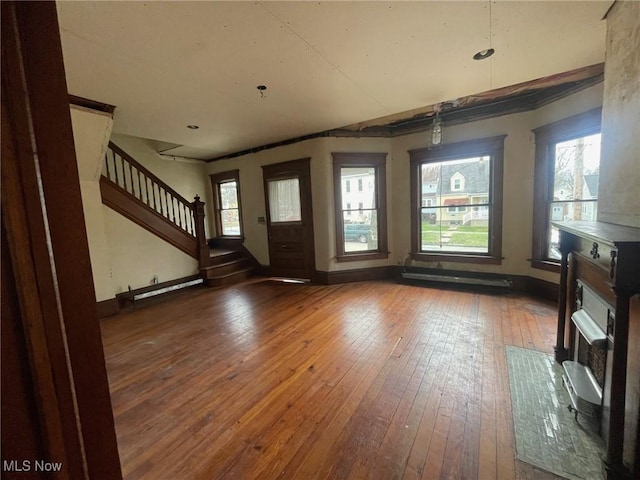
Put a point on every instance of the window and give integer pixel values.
(226, 199)
(464, 181)
(360, 234)
(566, 181)
(348, 186)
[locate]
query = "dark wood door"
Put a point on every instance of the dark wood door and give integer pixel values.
(287, 188)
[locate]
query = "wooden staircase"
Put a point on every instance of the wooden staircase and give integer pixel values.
(132, 190)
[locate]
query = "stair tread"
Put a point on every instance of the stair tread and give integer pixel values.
(219, 252)
(226, 264)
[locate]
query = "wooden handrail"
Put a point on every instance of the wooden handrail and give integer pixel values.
(147, 172)
(138, 181)
(127, 186)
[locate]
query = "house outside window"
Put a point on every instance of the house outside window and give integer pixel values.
(464, 182)
(361, 234)
(566, 181)
(226, 203)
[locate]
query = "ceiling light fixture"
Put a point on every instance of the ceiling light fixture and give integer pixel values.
(487, 52)
(436, 128)
(483, 54)
(193, 127)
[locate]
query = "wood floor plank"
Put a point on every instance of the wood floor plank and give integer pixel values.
(371, 380)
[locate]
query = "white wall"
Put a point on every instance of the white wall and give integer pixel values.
(136, 255)
(124, 254)
(517, 188)
(91, 131)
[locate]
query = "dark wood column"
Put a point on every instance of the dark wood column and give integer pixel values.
(561, 351)
(51, 299)
(201, 237)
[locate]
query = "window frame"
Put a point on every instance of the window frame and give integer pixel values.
(377, 161)
(490, 146)
(546, 137)
(216, 180)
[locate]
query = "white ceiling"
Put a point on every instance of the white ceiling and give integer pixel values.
(165, 65)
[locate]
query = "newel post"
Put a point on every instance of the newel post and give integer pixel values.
(201, 238)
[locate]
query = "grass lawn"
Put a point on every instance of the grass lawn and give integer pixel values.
(430, 238)
(469, 239)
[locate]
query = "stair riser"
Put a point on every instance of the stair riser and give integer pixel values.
(228, 280)
(227, 257)
(217, 271)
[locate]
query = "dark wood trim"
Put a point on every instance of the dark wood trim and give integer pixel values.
(118, 199)
(216, 179)
(362, 256)
(91, 104)
(377, 161)
(301, 169)
(542, 289)
(547, 265)
(454, 257)
(355, 275)
(477, 107)
(231, 243)
(493, 146)
(107, 308)
(57, 302)
(546, 137)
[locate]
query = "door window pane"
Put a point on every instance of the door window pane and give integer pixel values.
(284, 200)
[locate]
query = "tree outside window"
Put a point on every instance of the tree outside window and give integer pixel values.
(566, 181)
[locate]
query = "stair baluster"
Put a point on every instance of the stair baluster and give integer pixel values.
(168, 205)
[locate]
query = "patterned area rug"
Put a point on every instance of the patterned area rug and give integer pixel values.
(547, 434)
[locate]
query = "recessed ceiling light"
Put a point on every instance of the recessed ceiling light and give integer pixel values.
(193, 127)
(482, 54)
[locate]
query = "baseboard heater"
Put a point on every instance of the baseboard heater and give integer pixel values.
(171, 288)
(133, 296)
(500, 282)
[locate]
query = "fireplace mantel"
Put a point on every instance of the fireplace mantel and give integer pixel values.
(606, 257)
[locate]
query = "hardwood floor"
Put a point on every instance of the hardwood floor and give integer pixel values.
(364, 380)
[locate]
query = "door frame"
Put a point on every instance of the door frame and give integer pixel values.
(301, 169)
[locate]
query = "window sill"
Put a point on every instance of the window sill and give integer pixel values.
(361, 256)
(462, 257)
(548, 265)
